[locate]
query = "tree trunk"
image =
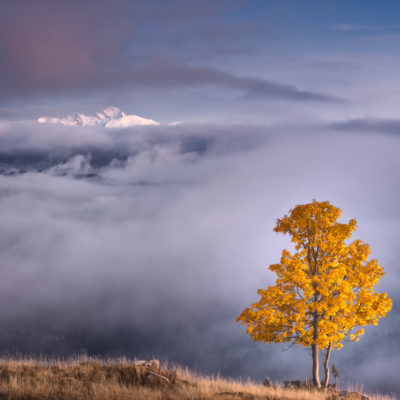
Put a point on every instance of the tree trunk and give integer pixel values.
(326, 365)
(315, 348)
(315, 368)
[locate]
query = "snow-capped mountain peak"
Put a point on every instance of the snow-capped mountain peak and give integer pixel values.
(113, 112)
(110, 117)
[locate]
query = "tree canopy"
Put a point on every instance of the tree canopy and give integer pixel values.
(324, 291)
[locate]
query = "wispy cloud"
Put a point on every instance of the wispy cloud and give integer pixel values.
(371, 124)
(361, 27)
(251, 87)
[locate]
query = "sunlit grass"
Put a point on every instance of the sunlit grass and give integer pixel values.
(99, 379)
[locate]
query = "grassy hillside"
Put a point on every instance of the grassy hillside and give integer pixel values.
(86, 379)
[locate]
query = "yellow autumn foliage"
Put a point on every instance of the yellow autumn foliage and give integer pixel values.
(327, 284)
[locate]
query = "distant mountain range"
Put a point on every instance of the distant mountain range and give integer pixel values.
(111, 117)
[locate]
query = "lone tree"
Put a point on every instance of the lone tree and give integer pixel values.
(324, 291)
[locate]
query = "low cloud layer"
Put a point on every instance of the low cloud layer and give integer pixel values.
(149, 241)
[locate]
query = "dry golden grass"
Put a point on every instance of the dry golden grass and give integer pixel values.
(95, 379)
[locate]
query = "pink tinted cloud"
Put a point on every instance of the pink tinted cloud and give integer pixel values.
(47, 46)
(49, 50)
